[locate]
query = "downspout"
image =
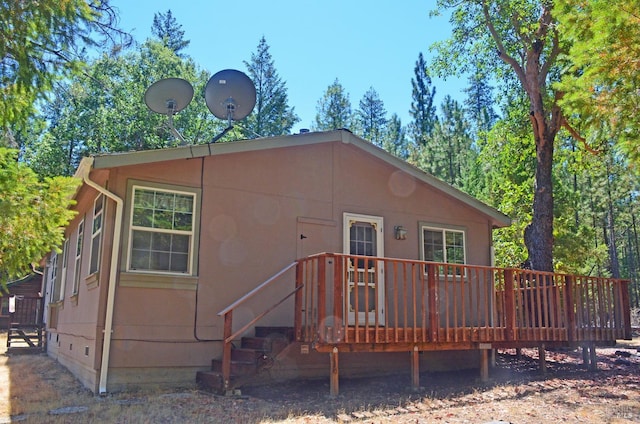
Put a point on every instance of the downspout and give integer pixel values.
(113, 271)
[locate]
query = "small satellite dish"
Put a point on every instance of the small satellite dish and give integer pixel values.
(168, 96)
(230, 95)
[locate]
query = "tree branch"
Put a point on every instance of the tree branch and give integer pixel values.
(578, 137)
(502, 52)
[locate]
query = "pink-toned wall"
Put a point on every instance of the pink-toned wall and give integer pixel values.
(254, 207)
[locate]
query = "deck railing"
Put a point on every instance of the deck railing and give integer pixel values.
(387, 304)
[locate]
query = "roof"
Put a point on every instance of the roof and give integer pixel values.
(113, 160)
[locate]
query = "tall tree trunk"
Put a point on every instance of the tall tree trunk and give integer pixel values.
(611, 241)
(538, 235)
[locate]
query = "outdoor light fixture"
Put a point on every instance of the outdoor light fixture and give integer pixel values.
(400, 232)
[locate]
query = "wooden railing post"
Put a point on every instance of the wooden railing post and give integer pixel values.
(297, 313)
(322, 298)
(509, 305)
(226, 351)
(569, 304)
(626, 308)
(338, 298)
(434, 312)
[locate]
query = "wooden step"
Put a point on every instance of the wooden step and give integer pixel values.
(254, 354)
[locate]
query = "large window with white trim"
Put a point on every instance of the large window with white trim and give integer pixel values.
(96, 234)
(161, 230)
(443, 245)
(78, 259)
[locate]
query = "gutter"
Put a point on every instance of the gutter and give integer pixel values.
(83, 172)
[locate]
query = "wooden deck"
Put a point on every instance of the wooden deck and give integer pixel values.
(347, 303)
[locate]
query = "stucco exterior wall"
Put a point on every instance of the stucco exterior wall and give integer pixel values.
(255, 206)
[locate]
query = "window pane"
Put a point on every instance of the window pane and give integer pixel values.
(182, 221)
(98, 205)
(143, 199)
(97, 223)
(141, 240)
(140, 259)
(433, 246)
(163, 219)
(183, 203)
(159, 261)
(95, 254)
(161, 242)
(142, 217)
(179, 262)
(180, 243)
(164, 201)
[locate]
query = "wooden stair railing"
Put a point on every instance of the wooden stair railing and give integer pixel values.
(227, 313)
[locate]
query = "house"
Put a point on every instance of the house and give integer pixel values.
(180, 257)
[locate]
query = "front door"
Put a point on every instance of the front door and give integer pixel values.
(363, 235)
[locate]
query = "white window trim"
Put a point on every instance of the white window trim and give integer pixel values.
(53, 275)
(443, 229)
(96, 233)
(63, 271)
(192, 233)
(77, 264)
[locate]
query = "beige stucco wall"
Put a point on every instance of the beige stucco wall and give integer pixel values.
(254, 207)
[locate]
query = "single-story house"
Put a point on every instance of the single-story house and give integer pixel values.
(179, 259)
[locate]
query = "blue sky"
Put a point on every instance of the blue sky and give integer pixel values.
(362, 43)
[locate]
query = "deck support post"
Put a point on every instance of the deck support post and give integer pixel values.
(334, 377)
(415, 368)
(226, 352)
(542, 358)
(585, 356)
(484, 365)
(518, 353)
(593, 359)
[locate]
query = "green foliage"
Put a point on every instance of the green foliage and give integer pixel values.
(103, 111)
(395, 138)
(167, 29)
(423, 111)
(371, 117)
(334, 109)
(272, 115)
(40, 44)
(601, 83)
(32, 215)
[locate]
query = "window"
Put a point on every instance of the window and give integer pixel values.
(78, 261)
(59, 278)
(443, 245)
(53, 275)
(96, 234)
(161, 231)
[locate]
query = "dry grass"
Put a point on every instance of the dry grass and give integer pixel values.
(36, 386)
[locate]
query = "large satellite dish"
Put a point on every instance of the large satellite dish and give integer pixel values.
(230, 95)
(168, 97)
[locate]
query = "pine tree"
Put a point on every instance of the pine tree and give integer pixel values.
(395, 138)
(479, 102)
(272, 115)
(333, 109)
(371, 117)
(423, 111)
(169, 31)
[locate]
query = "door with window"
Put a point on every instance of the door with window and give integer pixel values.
(364, 236)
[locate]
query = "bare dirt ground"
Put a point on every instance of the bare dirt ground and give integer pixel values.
(35, 389)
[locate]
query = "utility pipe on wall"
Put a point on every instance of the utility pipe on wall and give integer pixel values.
(113, 271)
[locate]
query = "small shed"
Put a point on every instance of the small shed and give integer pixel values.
(22, 312)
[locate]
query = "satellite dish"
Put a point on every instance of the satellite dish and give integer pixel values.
(230, 95)
(168, 96)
